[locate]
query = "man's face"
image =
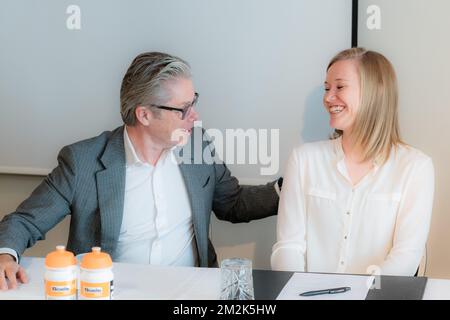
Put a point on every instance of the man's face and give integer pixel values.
(169, 129)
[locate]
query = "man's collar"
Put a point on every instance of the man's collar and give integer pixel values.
(131, 156)
(114, 154)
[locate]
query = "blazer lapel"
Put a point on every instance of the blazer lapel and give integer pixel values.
(111, 191)
(192, 175)
(193, 187)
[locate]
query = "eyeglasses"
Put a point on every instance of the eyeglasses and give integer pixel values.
(184, 111)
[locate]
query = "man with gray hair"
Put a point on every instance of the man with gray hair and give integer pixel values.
(125, 190)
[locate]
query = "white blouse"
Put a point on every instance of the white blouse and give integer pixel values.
(379, 225)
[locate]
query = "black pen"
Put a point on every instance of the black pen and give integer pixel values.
(325, 291)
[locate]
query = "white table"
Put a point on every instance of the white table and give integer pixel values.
(137, 282)
(133, 281)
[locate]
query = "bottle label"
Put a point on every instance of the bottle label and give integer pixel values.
(57, 289)
(96, 290)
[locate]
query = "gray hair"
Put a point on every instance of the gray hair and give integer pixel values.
(144, 79)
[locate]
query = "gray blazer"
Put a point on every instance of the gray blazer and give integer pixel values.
(89, 184)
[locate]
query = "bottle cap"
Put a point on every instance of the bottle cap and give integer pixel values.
(96, 260)
(60, 258)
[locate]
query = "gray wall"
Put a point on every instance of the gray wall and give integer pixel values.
(412, 36)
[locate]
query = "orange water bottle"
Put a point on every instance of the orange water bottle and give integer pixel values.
(96, 277)
(60, 275)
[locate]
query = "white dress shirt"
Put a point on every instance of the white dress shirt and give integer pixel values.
(325, 224)
(157, 218)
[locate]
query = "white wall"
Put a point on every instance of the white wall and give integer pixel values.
(414, 36)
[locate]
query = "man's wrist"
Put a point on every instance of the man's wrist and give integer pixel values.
(7, 255)
(278, 185)
(11, 252)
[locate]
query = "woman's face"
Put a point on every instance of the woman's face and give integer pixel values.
(342, 94)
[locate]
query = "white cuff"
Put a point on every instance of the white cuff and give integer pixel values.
(277, 188)
(11, 252)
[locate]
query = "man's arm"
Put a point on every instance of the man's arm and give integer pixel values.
(47, 206)
(236, 203)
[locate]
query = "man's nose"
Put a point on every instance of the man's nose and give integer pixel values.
(193, 115)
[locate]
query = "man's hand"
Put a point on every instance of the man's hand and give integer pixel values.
(11, 270)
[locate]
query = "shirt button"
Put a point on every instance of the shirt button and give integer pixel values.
(345, 237)
(348, 213)
(342, 262)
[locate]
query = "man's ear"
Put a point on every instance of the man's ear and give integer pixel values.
(143, 115)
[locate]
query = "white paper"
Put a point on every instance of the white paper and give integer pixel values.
(302, 282)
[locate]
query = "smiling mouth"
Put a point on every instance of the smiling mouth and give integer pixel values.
(336, 109)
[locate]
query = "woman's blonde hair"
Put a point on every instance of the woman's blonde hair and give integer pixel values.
(376, 128)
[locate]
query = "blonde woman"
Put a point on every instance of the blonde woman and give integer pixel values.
(362, 201)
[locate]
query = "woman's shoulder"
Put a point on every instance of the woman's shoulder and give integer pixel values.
(407, 154)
